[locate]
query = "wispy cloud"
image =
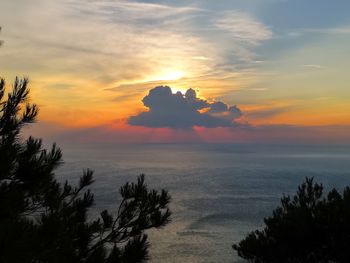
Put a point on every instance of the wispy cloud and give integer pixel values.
(109, 35)
(338, 30)
(132, 41)
(313, 66)
(97, 46)
(244, 33)
(124, 10)
(244, 27)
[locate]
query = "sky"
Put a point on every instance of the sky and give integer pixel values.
(182, 71)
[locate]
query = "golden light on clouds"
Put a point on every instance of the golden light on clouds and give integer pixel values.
(102, 57)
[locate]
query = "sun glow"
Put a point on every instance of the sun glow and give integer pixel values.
(170, 75)
(175, 89)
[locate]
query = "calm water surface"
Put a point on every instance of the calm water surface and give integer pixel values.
(219, 192)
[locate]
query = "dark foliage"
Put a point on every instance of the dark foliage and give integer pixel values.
(42, 220)
(308, 227)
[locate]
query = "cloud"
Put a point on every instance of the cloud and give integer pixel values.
(100, 44)
(115, 39)
(183, 111)
(118, 40)
(313, 66)
(133, 11)
(244, 33)
(268, 113)
(244, 27)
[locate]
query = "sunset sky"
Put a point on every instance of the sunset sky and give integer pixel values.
(259, 70)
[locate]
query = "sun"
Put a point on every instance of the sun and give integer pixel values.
(179, 89)
(173, 75)
(170, 75)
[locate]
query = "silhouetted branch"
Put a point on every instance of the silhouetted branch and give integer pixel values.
(48, 221)
(308, 227)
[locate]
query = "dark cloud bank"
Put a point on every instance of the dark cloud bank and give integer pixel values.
(183, 111)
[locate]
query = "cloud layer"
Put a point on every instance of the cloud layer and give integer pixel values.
(244, 27)
(183, 111)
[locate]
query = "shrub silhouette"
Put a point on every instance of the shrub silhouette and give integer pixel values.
(42, 220)
(308, 227)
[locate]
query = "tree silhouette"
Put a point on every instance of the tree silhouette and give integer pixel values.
(42, 220)
(308, 227)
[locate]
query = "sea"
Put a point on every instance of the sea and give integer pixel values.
(220, 192)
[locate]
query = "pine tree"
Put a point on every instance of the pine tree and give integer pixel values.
(43, 220)
(309, 227)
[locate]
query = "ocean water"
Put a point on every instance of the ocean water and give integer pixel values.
(219, 192)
